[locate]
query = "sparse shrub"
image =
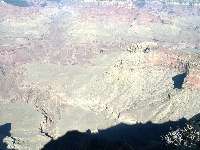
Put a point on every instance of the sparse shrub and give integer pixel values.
(183, 139)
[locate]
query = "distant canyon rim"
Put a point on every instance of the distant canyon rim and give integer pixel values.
(92, 65)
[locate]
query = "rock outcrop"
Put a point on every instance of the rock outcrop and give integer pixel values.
(75, 67)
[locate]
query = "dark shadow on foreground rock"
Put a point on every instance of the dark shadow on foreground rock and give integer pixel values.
(4, 131)
(120, 137)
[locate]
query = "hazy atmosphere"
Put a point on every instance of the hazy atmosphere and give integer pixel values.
(99, 74)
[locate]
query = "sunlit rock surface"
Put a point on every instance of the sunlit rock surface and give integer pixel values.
(94, 65)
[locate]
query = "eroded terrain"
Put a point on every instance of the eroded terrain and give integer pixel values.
(89, 66)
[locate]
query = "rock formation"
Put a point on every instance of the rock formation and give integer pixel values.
(87, 66)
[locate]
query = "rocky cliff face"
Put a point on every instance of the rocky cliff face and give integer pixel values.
(77, 67)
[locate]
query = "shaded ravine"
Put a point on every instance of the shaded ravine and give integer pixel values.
(4, 131)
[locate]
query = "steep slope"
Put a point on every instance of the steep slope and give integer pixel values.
(91, 67)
